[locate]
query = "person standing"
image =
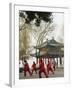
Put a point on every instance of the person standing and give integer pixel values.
(42, 69)
(26, 68)
(49, 67)
(34, 68)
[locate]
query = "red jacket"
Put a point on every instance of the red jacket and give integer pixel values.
(49, 65)
(41, 66)
(34, 66)
(26, 67)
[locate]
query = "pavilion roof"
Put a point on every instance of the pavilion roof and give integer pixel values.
(50, 43)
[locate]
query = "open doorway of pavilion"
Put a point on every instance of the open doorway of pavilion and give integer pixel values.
(41, 44)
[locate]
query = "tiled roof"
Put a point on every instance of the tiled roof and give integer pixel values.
(51, 42)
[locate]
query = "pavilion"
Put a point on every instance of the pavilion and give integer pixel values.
(50, 49)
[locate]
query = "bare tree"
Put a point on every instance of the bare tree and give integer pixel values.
(37, 24)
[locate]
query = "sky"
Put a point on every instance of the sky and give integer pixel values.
(58, 19)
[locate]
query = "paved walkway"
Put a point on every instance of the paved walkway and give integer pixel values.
(59, 72)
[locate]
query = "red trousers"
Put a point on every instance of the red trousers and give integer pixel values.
(44, 71)
(28, 72)
(50, 69)
(34, 69)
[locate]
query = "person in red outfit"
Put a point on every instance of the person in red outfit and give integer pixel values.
(34, 68)
(49, 67)
(42, 69)
(26, 68)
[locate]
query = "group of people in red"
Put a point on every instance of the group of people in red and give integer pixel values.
(41, 68)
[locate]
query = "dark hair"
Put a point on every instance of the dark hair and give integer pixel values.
(48, 60)
(41, 60)
(33, 62)
(25, 61)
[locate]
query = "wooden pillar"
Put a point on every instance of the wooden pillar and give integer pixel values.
(60, 61)
(57, 62)
(37, 61)
(54, 60)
